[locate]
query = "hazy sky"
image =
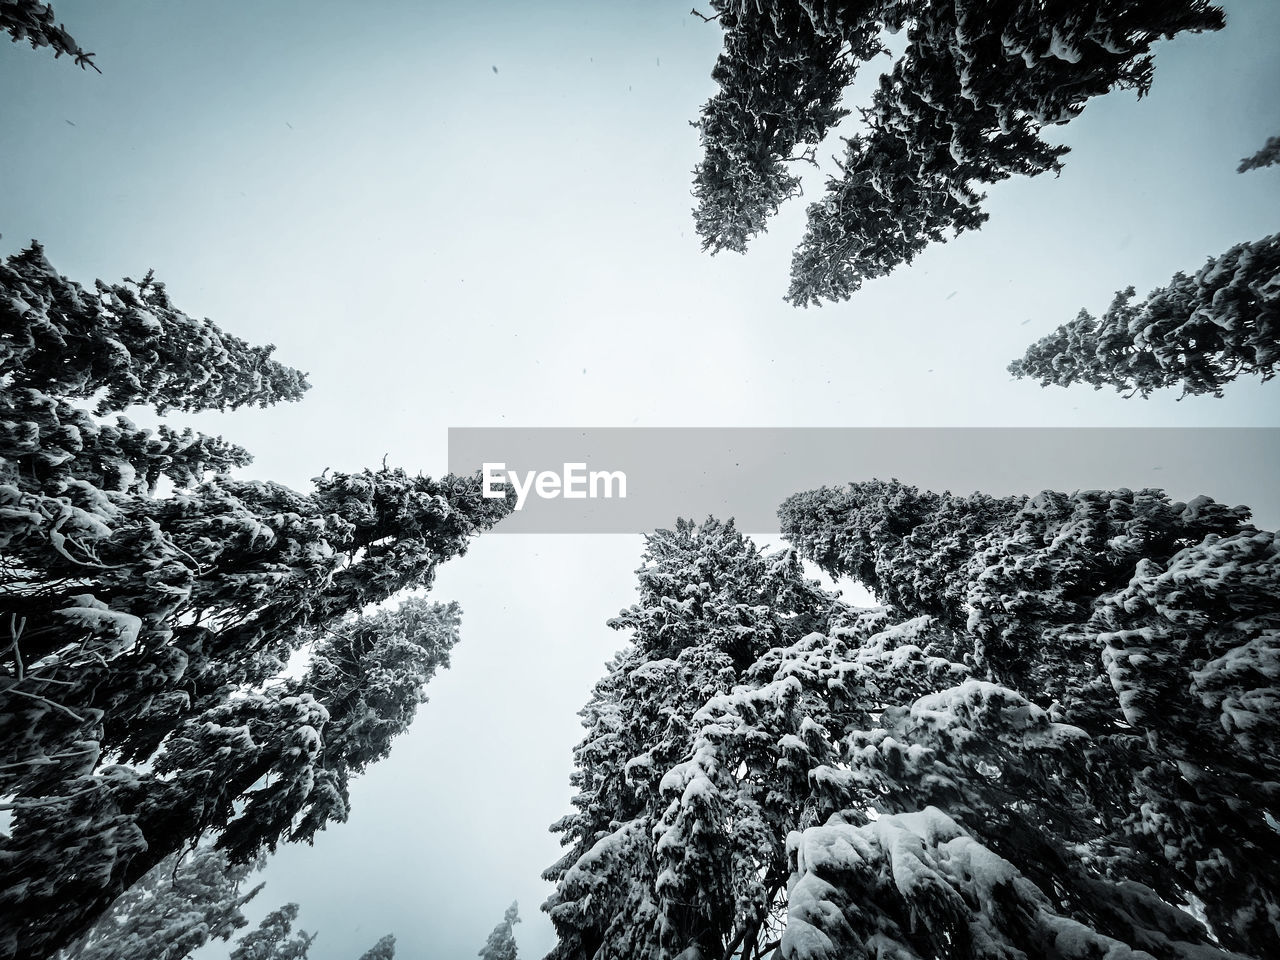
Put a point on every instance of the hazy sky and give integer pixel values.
(478, 214)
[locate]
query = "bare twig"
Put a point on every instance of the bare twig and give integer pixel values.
(57, 706)
(16, 627)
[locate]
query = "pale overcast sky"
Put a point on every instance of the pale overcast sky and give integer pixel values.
(478, 214)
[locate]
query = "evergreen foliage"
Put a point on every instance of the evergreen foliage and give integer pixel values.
(1199, 332)
(1054, 738)
(780, 85)
(127, 342)
(501, 944)
(185, 902)
(1268, 156)
(33, 22)
(174, 910)
(273, 938)
(141, 702)
(963, 107)
(710, 605)
(384, 949)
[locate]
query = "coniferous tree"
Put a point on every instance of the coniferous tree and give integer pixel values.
(273, 938)
(128, 340)
(963, 107)
(1056, 606)
(1200, 332)
(187, 901)
(710, 605)
(501, 944)
(32, 21)
(174, 910)
(780, 85)
(974, 770)
(384, 949)
(1268, 156)
(149, 631)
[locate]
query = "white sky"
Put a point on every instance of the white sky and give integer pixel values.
(442, 245)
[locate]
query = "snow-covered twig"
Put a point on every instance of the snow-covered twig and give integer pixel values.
(47, 801)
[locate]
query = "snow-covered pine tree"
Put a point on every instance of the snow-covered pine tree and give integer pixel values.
(128, 341)
(501, 944)
(189, 900)
(256, 767)
(273, 938)
(1097, 607)
(384, 949)
(908, 179)
(631, 883)
(1191, 649)
(174, 910)
(891, 725)
(148, 630)
(973, 771)
(33, 22)
(1199, 332)
(963, 107)
(367, 673)
(780, 86)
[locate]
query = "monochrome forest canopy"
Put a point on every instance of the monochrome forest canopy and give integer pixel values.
(1040, 721)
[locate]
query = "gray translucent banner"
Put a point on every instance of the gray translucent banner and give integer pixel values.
(745, 473)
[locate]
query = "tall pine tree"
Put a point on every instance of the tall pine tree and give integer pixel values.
(1053, 599)
(629, 885)
(780, 85)
(187, 901)
(140, 700)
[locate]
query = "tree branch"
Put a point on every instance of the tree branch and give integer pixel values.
(36, 696)
(47, 801)
(742, 930)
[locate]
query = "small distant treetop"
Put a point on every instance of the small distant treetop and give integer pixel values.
(272, 940)
(33, 22)
(1268, 156)
(384, 949)
(501, 944)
